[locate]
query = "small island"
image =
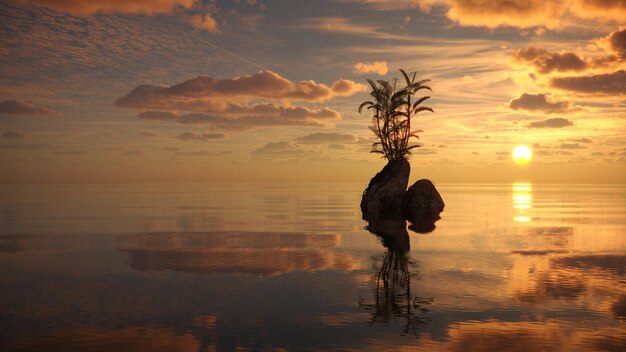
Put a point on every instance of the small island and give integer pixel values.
(386, 198)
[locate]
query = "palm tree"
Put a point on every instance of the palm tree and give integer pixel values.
(393, 111)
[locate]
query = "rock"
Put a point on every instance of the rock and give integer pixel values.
(384, 196)
(423, 204)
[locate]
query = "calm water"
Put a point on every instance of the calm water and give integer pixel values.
(256, 267)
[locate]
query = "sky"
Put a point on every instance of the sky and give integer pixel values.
(189, 91)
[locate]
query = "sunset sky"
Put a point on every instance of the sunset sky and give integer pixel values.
(267, 91)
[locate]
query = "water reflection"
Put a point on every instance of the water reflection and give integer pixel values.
(394, 297)
(522, 201)
(259, 253)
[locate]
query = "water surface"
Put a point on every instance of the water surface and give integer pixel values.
(277, 267)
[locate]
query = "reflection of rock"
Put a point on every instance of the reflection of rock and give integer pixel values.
(619, 308)
(392, 233)
(423, 203)
(13, 243)
(384, 196)
(394, 298)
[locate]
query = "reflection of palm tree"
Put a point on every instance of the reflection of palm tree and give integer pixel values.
(394, 298)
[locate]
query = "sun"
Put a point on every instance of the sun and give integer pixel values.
(522, 155)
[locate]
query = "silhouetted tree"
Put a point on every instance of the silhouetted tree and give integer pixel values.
(393, 110)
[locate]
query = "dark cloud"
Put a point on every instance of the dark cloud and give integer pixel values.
(17, 107)
(147, 134)
(615, 43)
(544, 61)
(171, 149)
(90, 7)
(542, 103)
(551, 123)
(611, 263)
(14, 135)
(133, 153)
(72, 152)
(26, 146)
(208, 90)
(600, 84)
(327, 137)
(195, 153)
(192, 136)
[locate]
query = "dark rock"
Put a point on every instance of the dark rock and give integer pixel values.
(422, 205)
(385, 194)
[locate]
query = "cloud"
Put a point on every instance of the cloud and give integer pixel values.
(280, 150)
(551, 123)
(17, 107)
(571, 146)
(36, 146)
(205, 21)
(581, 140)
(606, 9)
(90, 7)
(191, 136)
(327, 137)
(14, 135)
(336, 146)
(600, 84)
(514, 13)
(377, 67)
(147, 134)
(615, 43)
(258, 116)
(195, 153)
(542, 103)
(545, 62)
(263, 84)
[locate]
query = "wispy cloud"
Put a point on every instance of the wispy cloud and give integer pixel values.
(192, 136)
(18, 107)
(377, 67)
(556, 122)
(90, 7)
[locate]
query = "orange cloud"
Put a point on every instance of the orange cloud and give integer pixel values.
(514, 13)
(377, 67)
(17, 107)
(206, 22)
(263, 84)
(608, 9)
(90, 7)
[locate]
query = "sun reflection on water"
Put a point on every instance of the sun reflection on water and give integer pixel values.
(522, 201)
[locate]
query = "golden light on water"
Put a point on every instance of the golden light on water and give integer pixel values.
(522, 155)
(522, 201)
